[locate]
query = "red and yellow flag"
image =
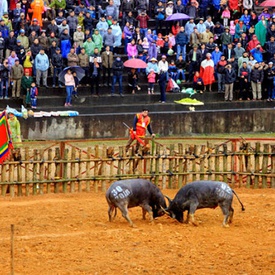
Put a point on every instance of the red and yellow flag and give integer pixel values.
(5, 137)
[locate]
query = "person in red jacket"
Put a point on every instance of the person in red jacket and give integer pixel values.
(141, 123)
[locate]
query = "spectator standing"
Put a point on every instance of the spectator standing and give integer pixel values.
(84, 64)
(194, 60)
(15, 130)
(41, 62)
(57, 63)
(244, 82)
(38, 8)
(159, 16)
(97, 38)
(5, 79)
(181, 42)
(207, 72)
(25, 87)
(151, 81)
(33, 95)
(181, 66)
(107, 63)
(117, 75)
(109, 39)
(230, 78)
(72, 57)
(257, 77)
(17, 72)
(102, 26)
(94, 72)
(70, 86)
(72, 22)
(163, 77)
(89, 46)
(261, 30)
(220, 70)
(143, 19)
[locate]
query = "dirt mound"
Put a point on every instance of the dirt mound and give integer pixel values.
(70, 234)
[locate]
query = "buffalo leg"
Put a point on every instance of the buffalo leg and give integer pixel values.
(144, 214)
(125, 213)
(110, 212)
(231, 213)
(226, 213)
(147, 208)
(192, 210)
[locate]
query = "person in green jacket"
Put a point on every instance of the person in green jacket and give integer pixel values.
(97, 38)
(15, 130)
(89, 46)
(25, 87)
(58, 5)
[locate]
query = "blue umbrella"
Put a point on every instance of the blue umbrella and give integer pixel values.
(177, 16)
(80, 73)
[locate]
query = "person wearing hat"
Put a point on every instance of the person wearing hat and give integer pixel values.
(189, 27)
(169, 10)
(41, 63)
(20, 51)
(15, 129)
(89, 46)
(35, 27)
(226, 38)
(17, 73)
(205, 36)
(23, 39)
(57, 63)
(163, 77)
(152, 65)
(78, 38)
(117, 68)
(38, 8)
(265, 13)
(102, 26)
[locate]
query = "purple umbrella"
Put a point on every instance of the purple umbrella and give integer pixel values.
(177, 16)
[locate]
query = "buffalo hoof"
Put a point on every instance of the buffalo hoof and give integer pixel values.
(225, 225)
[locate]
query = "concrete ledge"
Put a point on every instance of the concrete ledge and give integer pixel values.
(163, 123)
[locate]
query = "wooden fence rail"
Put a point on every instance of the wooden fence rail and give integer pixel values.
(64, 168)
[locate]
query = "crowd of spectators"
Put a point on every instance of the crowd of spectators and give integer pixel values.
(226, 38)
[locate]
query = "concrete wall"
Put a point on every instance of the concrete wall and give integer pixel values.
(165, 124)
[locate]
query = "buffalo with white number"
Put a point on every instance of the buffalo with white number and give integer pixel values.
(202, 194)
(130, 193)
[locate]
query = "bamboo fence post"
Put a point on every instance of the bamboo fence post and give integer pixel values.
(72, 174)
(96, 168)
(171, 166)
(257, 164)
(265, 165)
(272, 182)
(35, 184)
(233, 169)
(65, 171)
(217, 164)
(41, 172)
(248, 160)
(79, 171)
(225, 160)
(202, 160)
(180, 177)
(19, 176)
(58, 171)
(4, 178)
(49, 171)
(11, 179)
(193, 161)
(148, 165)
(164, 169)
(152, 154)
(88, 169)
(209, 162)
(103, 168)
(27, 168)
(157, 162)
(241, 166)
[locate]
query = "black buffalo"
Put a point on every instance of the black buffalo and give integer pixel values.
(129, 193)
(202, 194)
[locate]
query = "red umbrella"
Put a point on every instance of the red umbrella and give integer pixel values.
(268, 3)
(135, 63)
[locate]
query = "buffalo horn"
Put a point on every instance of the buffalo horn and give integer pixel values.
(169, 200)
(164, 210)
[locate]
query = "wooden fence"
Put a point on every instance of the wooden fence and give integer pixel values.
(62, 167)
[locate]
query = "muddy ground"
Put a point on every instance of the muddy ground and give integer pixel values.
(71, 234)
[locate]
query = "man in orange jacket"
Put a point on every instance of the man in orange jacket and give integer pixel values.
(140, 124)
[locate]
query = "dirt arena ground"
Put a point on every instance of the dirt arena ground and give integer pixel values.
(70, 234)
